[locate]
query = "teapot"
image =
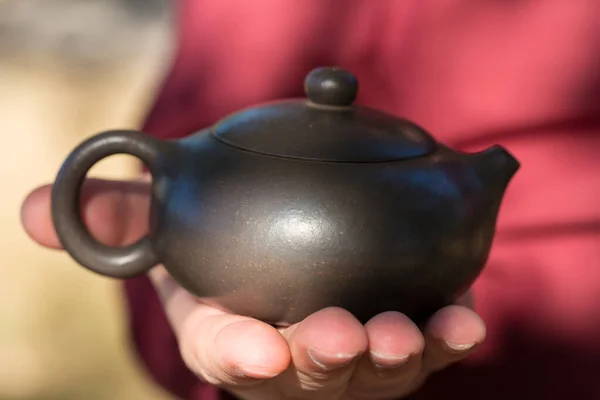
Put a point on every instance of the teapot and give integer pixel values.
(288, 207)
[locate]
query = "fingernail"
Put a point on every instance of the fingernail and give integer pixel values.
(328, 361)
(255, 372)
(389, 361)
(459, 347)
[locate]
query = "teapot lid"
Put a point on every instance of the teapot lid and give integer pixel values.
(325, 126)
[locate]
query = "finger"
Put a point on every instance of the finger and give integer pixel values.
(394, 358)
(222, 349)
(116, 213)
(324, 348)
(231, 350)
(451, 335)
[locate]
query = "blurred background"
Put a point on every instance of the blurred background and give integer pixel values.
(68, 69)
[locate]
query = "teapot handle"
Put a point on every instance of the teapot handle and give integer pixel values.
(116, 262)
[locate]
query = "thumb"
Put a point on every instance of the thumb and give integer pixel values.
(115, 212)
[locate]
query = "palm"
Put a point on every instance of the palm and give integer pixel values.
(329, 355)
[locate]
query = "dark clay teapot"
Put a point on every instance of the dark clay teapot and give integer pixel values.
(286, 208)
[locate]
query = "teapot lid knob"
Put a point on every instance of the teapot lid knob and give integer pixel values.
(331, 86)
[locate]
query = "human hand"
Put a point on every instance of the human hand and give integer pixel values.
(329, 355)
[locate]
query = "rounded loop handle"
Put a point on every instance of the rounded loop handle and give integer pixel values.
(116, 262)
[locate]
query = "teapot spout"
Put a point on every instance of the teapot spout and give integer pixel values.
(495, 166)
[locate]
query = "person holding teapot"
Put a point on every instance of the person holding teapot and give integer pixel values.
(522, 74)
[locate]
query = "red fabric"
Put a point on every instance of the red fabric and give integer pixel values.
(524, 74)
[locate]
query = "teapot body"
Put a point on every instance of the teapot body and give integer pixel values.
(278, 239)
(286, 208)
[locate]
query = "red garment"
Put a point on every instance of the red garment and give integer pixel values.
(525, 74)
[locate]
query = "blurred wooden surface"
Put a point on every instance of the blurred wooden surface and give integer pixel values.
(68, 69)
